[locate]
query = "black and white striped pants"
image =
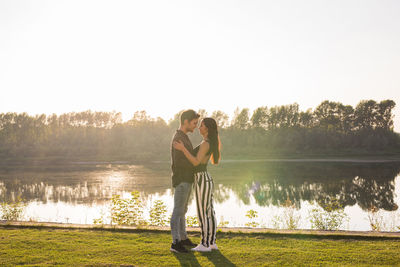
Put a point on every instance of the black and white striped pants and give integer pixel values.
(204, 187)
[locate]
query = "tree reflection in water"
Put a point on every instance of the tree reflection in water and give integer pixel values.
(269, 183)
(272, 183)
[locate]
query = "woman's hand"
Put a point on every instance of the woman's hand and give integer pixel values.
(178, 145)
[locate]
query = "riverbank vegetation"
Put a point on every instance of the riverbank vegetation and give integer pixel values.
(330, 129)
(130, 211)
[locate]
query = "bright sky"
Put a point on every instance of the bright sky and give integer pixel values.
(165, 56)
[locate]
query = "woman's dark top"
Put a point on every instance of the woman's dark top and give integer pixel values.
(201, 167)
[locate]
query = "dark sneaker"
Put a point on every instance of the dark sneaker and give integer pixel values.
(188, 243)
(178, 247)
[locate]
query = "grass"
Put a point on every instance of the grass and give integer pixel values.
(40, 246)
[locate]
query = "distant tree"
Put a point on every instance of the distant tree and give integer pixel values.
(306, 119)
(327, 115)
(202, 113)
(221, 118)
(334, 116)
(241, 119)
(283, 116)
(273, 120)
(139, 117)
(384, 116)
(346, 118)
(331, 127)
(259, 118)
(174, 122)
(291, 115)
(366, 114)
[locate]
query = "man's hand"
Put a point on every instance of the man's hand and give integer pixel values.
(178, 145)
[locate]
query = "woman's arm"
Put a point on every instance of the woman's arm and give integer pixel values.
(200, 155)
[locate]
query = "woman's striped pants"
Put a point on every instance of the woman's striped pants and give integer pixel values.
(204, 187)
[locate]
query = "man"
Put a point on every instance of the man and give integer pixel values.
(182, 180)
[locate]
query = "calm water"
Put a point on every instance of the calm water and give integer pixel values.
(79, 193)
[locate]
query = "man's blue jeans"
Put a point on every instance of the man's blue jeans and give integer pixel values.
(181, 202)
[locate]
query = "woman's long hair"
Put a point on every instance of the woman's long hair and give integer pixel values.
(213, 137)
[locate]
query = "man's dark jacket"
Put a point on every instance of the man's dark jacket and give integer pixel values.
(182, 169)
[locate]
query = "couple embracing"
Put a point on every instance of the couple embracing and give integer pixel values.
(189, 170)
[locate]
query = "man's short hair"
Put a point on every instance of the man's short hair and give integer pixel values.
(189, 115)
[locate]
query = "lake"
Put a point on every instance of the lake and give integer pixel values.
(81, 192)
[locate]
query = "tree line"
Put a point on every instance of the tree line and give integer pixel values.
(330, 128)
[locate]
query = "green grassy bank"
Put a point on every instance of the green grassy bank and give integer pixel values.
(40, 246)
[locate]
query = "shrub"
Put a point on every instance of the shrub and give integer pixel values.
(127, 211)
(330, 217)
(158, 213)
(252, 214)
(192, 221)
(289, 218)
(376, 220)
(13, 211)
(223, 223)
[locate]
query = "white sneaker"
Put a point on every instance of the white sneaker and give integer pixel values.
(214, 246)
(201, 248)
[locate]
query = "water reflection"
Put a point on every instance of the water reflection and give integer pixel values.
(94, 186)
(250, 184)
(274, 183)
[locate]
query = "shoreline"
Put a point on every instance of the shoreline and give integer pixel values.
(272, 156)
(235, 230)
(346, 159)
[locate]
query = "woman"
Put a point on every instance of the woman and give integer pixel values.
(208, 149)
